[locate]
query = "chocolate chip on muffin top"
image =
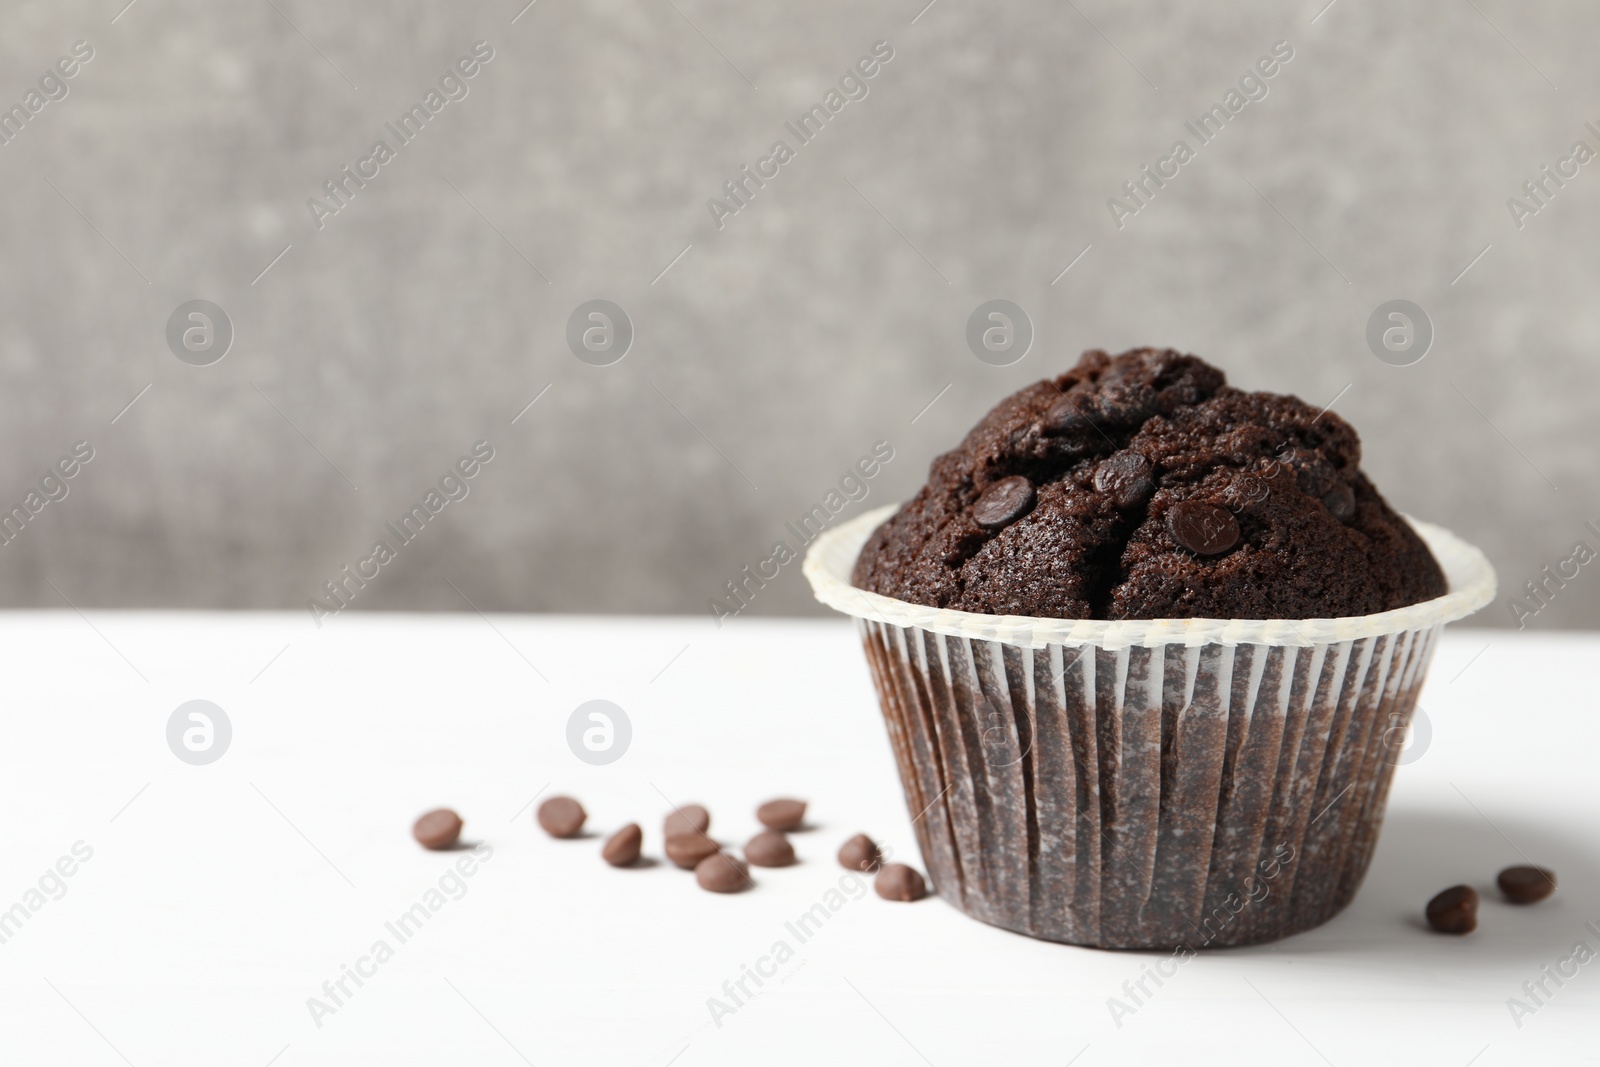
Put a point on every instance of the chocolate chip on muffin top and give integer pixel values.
(1144, 487)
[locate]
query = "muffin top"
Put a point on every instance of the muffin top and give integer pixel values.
(1142, 486)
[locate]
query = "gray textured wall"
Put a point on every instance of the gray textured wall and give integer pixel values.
(821, 317)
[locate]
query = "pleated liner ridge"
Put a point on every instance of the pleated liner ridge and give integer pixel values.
(1146, 797)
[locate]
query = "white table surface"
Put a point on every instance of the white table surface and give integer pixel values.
(219, 898)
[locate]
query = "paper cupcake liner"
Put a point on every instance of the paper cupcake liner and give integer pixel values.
(1150, 784)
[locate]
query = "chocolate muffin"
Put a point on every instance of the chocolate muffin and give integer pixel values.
(1203, 768)
(1142, 486)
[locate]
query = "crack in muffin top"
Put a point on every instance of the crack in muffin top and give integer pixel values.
(1142, 486)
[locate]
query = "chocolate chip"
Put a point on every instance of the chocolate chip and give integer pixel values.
(1003, 503)
(1454, 911)
(1066, 416)
(770, 848)
(1313, 474)
(1341, 500)
(1126, 478)
(782, 814)
(687, 850)
(690, 818)
(1127, 404)
(1526, 885)
(561, 817)
(859, 854)
(622, 848)
(437, 829)
(1204, 529)
(898, 882)
(721, 873)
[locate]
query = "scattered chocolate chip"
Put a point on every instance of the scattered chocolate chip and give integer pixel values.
(690, 818)
(1204, 529)
(1126, 478)
(770, 848)
(686, 850)
(1454, 911)
(1526, 885)
(1003, 503)
(859, 854)
(721, 873)
(562, 817)
(437, 829)
(1341, 501)
(784, 814)
(1065, 416)
(898, 882)
(622, 848)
